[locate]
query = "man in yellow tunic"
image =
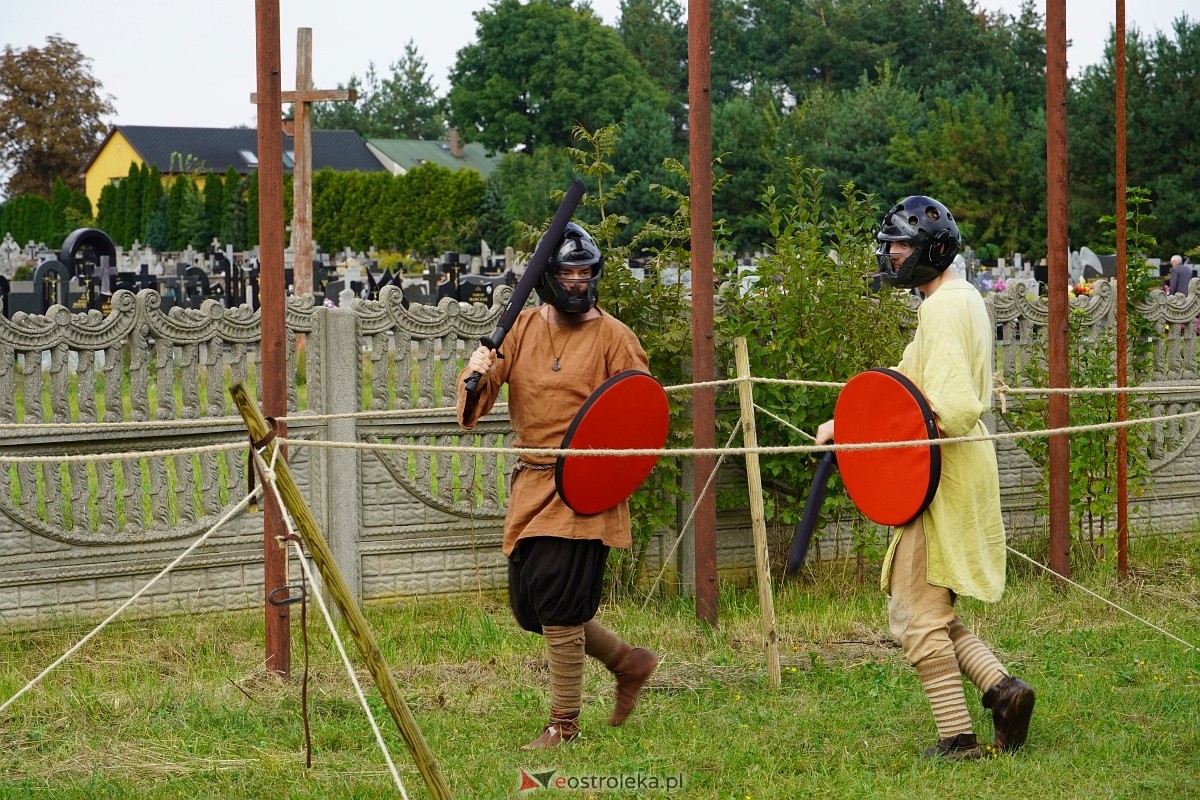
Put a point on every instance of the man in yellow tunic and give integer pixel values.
(956, 547)
(555, 356)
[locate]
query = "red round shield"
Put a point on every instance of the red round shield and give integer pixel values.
(627, 412)
(890, 486)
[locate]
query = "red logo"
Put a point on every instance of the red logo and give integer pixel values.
(537, 780)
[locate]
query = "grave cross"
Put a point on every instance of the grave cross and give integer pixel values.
(302, 100)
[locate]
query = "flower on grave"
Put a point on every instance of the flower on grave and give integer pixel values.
(1082, 288)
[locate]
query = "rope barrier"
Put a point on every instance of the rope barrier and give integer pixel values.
(1088, 591)
(554, 452)
(1002, 390)
(87, 457)
(714, 451)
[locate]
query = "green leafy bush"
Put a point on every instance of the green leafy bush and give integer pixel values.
(812, 313)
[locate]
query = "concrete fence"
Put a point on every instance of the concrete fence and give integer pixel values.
(141, 384)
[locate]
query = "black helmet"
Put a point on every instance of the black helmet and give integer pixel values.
(576, 248)
(930, 228)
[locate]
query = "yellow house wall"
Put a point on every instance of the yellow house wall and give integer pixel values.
(113, 163)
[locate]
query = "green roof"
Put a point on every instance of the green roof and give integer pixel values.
(406, 154)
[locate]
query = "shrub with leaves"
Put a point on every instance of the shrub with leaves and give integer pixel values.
(810, 314)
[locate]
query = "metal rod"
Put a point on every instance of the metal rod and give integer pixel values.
(1059, 247)
(272, 381)
(704, 428)
(1122, 304)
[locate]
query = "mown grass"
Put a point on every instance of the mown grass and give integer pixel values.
(179, 706)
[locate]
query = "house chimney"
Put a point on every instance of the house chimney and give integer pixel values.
(289, 127)
(456, 145)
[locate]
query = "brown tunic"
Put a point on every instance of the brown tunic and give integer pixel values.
(541, 405)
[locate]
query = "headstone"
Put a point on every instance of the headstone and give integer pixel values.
(478, 288)
(8, 256)
(1088, 264)
(415, 293)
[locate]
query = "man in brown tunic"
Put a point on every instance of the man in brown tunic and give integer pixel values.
(555, 356)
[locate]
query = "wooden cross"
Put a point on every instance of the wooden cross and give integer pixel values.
(301, 100)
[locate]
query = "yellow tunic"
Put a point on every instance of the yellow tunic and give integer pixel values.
(950, 360)
(541, 404)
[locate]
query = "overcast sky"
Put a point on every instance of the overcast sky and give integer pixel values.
(166, 62)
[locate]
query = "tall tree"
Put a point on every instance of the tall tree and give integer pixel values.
(847, 132)
(977, 158)
(645, 143)
(537, 70)
(524, 182)
(1162, 103)
(402, 105)
(828, 43)
(233, 221)
(213, 201)
(152, 205)
(655, 34)
(51, 116)
(745, 142)
(132, 189)
(70, 209)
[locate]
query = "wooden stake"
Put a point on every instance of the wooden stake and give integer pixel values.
(293, 500)
(758, 517)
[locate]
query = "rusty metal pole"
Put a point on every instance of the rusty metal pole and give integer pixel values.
(703, 371)
(1122, 293)
(272, 383)
(1058, 245)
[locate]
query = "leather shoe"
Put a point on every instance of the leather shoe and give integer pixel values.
(556, 733)
(1011, 702)
(632, 670)
(959, 747)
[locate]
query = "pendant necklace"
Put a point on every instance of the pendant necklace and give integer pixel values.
(550, 333)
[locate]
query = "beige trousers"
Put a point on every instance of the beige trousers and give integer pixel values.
(919, 614)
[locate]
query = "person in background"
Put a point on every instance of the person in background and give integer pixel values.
(956, 546)
(1179, 277)
(555, 356)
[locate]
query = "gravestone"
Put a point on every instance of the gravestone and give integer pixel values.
(9, 250)
(479, 288)
(193, 287)
(85, 247)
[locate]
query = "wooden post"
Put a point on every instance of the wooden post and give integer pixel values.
(302, 171)
(758, 518)
(322, 556)
(302, 100)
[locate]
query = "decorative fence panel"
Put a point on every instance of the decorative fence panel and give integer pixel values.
(141, 385)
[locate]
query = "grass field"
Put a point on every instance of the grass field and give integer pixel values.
(179, 707)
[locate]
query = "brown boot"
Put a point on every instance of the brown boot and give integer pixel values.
(1011, 702)
(632, 669)
(559, 731)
